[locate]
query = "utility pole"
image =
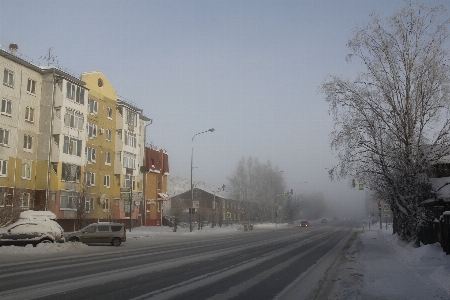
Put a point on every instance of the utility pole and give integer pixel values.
(379, 213)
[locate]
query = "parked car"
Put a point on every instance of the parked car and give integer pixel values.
(323, 221)
(33, 230)
(101, 232)
(304, 224)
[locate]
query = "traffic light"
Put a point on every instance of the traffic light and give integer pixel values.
(192, 211)
(276, 213)
(379, 204)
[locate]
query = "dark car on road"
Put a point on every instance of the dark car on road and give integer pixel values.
(102, 232)
(304, 224)
(323, 221)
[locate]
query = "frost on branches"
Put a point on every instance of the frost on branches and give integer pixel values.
(391, 122)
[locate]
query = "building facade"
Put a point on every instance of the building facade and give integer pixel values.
(68, 145)
(156, 178)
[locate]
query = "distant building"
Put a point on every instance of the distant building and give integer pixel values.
(155, 182)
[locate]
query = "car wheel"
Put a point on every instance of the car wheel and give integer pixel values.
(74, 239)
(46, 241)
(116, 242)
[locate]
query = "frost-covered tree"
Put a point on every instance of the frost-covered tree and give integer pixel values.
(254, 182)
(391, 121)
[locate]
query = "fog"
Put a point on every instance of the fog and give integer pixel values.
(251, 70)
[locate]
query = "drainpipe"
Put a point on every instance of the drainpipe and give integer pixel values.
(50, 140)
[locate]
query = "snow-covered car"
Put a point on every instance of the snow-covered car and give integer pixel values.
(304, 224)
(101, 232)
(32, 231)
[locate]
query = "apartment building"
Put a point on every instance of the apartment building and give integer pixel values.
(129, 153)
(63, 140)
(68, 145)
(101, 186)
(20, 96)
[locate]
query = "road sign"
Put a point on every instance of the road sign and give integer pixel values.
(137, 196)
(386, 215)
(386, 207)
(125, 196)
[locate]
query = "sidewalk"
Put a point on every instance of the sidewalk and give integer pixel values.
(380, 266)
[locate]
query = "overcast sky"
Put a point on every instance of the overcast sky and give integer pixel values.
(249, 69)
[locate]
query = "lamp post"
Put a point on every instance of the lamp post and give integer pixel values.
(192, 166)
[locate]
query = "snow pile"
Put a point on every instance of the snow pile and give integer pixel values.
(379, 265)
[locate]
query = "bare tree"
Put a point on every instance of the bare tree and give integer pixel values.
(253, 182)
(178, 207)
(391, 121)
(292, 207)
(12, 203)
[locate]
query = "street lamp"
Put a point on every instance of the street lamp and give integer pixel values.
(192, 167)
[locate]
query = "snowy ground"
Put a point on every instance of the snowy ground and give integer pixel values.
(380, 266)
(158, 235)
(377, 265)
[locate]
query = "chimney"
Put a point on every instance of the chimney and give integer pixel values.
(13, 48)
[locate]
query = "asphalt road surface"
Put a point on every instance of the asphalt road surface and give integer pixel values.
(260, 264)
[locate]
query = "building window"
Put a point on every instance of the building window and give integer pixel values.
(93, 106)
(25, 200)
(73, 119)
(8, 78)
(6, 107)
(131, 117)
(90, 154)
(130, 139)
(107, 158)
(109, 112)
(106, 205)
(70, 173)
(72, 146)
(129, 160)
(3, 167)
(69, 200)
(27, 142)
(26, 171)
(126, 206)
(108, 135)
(88, 204)
(106, 181)
(90, 179)
(31, 86)
(128, 180)
(2, 199)
(4, 137)
(91, 129)
(75, 93)
(29, 114)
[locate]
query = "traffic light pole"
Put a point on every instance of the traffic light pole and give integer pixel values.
(379, 209)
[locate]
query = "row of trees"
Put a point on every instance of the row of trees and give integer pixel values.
(391, 121)
(262, 184)
(255, 182)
